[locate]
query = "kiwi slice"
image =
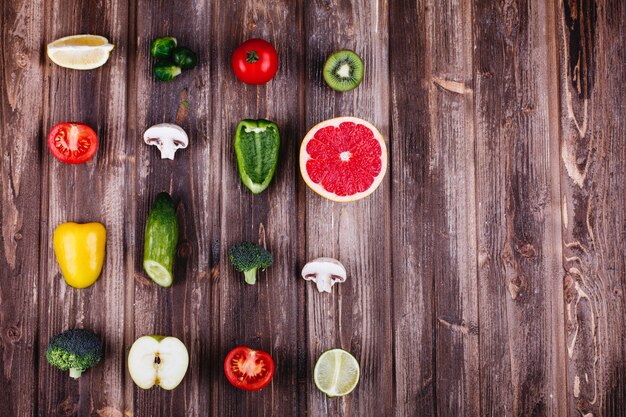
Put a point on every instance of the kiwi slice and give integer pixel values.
(343, 70)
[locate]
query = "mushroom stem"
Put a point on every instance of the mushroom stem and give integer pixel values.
(324, 284)
(168, 152)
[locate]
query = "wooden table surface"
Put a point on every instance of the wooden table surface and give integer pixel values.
(487, 274)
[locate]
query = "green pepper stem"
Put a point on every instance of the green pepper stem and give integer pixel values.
(75, 372)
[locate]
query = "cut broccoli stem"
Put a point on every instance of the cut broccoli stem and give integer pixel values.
(75, 372)
(250, 276)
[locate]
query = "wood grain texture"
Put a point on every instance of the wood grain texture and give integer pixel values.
(436, 259)
(486, 276)
(518, 204)
(357, 317)
(453, 234)
(94, 191)
(592, 75)
(413, 223)
(263, 316)
(186, 309)
(21, 139)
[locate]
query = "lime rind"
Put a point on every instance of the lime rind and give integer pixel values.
(336, 373)
(158, 273)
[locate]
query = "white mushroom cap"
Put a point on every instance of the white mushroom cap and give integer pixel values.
(325, 272)
(167, 137)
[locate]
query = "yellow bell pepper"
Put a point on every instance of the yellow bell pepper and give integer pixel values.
(79, 249)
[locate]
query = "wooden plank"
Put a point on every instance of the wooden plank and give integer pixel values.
(264, 316)
(21, 140)
(131, 228)
(591, 75)
(90, 192)
(413, 307)
(357, 315)
(518, 210)
(193, 180)
(435, 278)
(451, 163)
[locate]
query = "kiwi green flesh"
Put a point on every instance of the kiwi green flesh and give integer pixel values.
(343, 70)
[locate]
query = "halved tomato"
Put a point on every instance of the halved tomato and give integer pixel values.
(72, 143)
(249, 369)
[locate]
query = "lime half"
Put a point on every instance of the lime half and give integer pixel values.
(336, 373)
(158, 273)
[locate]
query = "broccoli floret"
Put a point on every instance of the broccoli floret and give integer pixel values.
(76, 350)
(247, 258)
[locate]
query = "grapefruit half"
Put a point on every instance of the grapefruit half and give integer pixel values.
(343, 159)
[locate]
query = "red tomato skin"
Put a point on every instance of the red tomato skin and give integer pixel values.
(260, 71)
(84, 130)
(246, 351)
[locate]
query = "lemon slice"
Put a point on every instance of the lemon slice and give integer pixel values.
(81, 52)
(336, 373)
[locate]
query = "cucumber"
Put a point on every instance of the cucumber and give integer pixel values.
(161, 240)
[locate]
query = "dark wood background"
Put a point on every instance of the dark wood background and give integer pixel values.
(487, 274)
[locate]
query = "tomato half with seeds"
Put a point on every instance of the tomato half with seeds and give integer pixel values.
(255, 61)
(249, 369)
(72, 143)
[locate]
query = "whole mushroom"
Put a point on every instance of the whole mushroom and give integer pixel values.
(325, 272)
(167, 137)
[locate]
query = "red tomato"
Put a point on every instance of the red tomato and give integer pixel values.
(249, 369)
(72, 143)
(255, 61)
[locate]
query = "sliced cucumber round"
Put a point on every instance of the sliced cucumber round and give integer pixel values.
(158, 273)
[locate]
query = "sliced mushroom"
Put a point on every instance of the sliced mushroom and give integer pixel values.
(167, 137)
(325, 272)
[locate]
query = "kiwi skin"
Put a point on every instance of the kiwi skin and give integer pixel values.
(334, 63)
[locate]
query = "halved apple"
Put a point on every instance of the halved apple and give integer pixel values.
(158, 360)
